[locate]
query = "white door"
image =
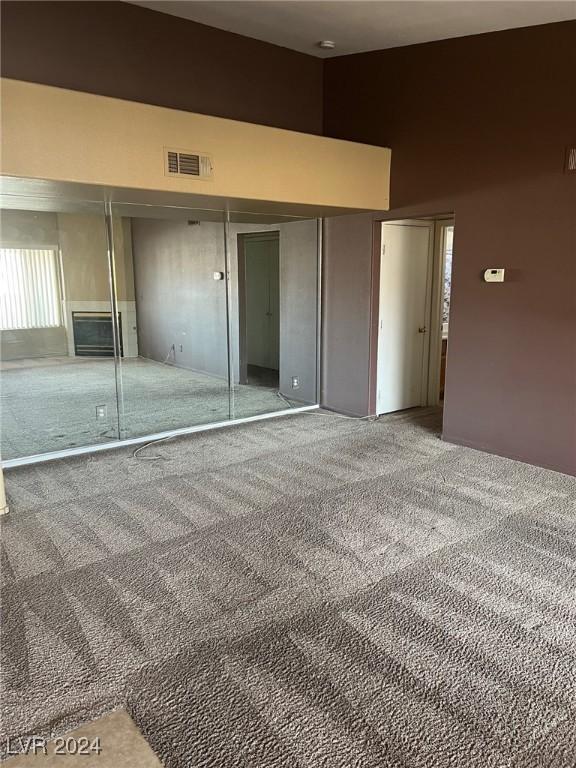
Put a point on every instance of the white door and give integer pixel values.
(405, 272)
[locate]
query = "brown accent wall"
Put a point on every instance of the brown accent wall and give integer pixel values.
(122, 50)
(346, 314)
(480, 126)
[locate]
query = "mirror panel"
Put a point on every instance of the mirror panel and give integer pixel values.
(128, 320)
(169, 266)
(274, 315)
(57, 368)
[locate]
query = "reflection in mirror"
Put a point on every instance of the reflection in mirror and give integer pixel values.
(130, 320)
(274, 302)
(57, 367)
(175, 373)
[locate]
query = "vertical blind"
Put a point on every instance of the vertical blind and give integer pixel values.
(29, 289)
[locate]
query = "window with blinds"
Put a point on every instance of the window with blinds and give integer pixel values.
(29, 288)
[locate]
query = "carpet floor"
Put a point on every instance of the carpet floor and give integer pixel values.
(307, 592)
(51, 405)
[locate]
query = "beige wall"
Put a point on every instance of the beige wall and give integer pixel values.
(28, 229)
(84, 251)
(84, 257)
(56, 134)
(81, 239)
(123, 260)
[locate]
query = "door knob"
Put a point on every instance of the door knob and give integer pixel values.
(422, 329)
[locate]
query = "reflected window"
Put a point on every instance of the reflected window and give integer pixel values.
(58, 382)
(135, 320)
(449, 238)
(30, 293)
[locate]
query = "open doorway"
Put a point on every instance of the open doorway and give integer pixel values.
(414, 306)
(446, 269)
(259, 308)
(441, 294)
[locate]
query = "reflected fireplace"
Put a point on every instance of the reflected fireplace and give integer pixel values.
(94, 334)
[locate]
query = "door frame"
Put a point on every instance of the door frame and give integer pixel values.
(437, 301)
(430, 225)
(266, 234)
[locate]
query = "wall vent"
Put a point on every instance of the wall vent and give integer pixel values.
(571, 159)
(188, 164)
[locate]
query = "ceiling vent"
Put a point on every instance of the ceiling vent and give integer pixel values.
(571, 159)
(188, 164)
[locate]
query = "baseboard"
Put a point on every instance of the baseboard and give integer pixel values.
(133, 441)
(563, 470)
(344, 412)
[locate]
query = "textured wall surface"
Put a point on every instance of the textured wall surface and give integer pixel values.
(180, 303)
(479, 126)
(118, 49)
(347, 310)
(298, 308)
(181, 308)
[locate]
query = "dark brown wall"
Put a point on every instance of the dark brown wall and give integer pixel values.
(479, 126)
(121, 50)
(346, 314)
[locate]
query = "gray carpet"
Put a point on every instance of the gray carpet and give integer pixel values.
(48, 407)
(305, 592)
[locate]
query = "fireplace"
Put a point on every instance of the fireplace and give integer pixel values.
(94, 334)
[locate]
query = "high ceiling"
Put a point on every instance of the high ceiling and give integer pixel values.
(364, 25)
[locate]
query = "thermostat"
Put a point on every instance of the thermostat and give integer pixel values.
(494, 275)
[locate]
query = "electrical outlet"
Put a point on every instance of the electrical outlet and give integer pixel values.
(295, 382)
(101, 412)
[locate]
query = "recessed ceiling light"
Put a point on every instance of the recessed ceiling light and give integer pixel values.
(328, 44)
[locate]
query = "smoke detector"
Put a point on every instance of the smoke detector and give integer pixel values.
(327, 45)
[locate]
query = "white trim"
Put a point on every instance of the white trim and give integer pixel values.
(68, 452)
(428, 319)
(3, 502)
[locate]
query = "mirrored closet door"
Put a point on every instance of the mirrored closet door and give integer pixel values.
(171, 300)
(274, 273)
(58, 368)
(131, 320)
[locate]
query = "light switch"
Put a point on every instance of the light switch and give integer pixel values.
(494, 275)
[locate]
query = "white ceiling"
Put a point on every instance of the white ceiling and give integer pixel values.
(364, 25)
